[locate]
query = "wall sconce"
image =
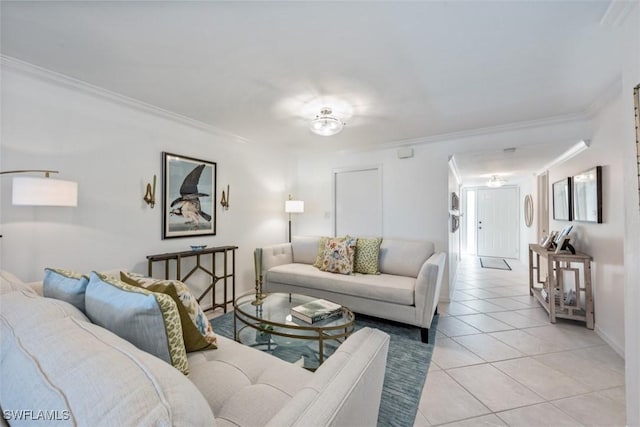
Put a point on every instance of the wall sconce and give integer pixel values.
(32, 191)
(293, 206)
(150, 195)
(224, 201)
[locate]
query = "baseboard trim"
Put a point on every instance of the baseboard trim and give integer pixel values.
(606, 338)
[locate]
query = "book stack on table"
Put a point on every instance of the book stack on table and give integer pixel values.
(316, 311)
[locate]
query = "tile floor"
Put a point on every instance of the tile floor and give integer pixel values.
(499, 362)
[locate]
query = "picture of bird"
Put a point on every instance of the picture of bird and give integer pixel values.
(188, 204)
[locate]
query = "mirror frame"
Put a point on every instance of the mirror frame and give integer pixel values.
(566, 204)
(577, 195)
(528, 210)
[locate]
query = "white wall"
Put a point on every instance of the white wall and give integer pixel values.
(630, 43)
(112, 150)
(604, 242)
(527, 234)
(615, 245)
(454, 237)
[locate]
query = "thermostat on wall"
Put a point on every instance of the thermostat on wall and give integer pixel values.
(405, 153)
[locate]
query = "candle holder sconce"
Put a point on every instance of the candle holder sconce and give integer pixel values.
(150, 195)
(224, 201)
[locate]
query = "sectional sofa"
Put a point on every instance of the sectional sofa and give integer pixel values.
(407, 289)
(59, 368)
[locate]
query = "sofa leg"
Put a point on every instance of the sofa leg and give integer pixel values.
(435, 313)
(424, 334)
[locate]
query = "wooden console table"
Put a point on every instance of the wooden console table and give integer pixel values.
(178, 257)
(555, 287)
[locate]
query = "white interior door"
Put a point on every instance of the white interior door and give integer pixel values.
(358, 201)
(498, 222)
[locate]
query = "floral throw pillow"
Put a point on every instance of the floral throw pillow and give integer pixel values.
(338, 255)
(196, 328)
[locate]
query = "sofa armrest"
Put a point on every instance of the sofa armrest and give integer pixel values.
(275, 255)
(428, 284)
(346, 389)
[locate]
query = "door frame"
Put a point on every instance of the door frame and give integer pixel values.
(542, 205)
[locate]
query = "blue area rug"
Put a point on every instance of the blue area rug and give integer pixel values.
(407, 365)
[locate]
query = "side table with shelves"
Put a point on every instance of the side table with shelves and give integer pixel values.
(228, 253)
(559, 263)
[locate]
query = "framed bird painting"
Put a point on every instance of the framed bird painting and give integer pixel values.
(188, 196)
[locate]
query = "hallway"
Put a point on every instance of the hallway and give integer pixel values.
(499, 362)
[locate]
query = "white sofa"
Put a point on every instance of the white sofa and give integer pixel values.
(406, 291)
(59, 368)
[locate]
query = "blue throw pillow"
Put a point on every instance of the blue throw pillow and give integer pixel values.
(146, 319)
(65, 285)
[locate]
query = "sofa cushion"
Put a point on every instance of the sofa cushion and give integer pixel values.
(382, 287)
(86, 373)
(338, 255)
(10, 283)
(196, 328)
(236, 377)
(148, 320)
(404, 257)
(65, 285)
(304, 248)
(367, 260)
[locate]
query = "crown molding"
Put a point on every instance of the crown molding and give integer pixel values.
(510, 127)
(82, 86)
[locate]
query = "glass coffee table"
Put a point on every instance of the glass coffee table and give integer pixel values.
(270, 327)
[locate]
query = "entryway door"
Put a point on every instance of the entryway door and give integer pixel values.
(498, 222)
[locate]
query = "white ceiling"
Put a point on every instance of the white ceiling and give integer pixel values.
(396, 72)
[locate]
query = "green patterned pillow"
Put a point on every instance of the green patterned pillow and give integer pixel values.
(196, 328)
(146, 319)
(321, 244)
(368, 255)
(339, 255)
(65, 285)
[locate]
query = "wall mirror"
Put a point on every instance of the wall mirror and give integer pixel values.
(587, 195)
(562, 200)
(528, 210)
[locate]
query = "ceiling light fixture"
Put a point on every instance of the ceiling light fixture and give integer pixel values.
(496, 181)
(326, 124)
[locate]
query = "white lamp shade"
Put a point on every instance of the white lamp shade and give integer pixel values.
(294, 206)
(30, 191)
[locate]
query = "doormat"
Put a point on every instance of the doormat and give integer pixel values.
(407, 365)
(495, 263)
